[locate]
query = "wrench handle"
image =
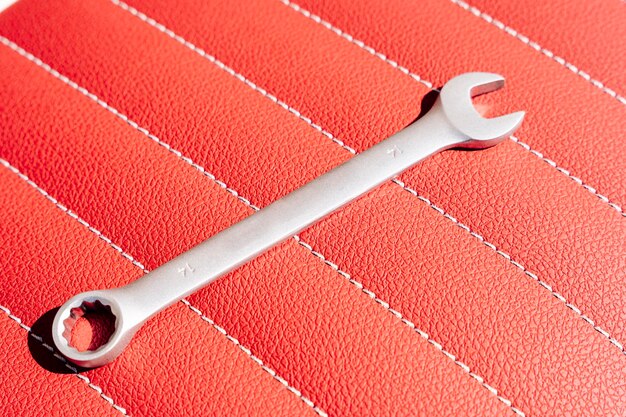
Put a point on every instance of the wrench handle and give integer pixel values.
(245, 240)
(452, 122)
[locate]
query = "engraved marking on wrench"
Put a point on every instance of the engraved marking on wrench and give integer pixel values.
(186, 269)
(394, 151)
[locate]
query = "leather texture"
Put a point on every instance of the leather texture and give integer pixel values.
(478, 283)
(594, 47)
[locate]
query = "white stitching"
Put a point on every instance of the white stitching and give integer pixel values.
(518, 265)
(227, 69)
(412, 325)
(173, 35)
(131, 123)
(454, 220)
(130, 258)
(359, 43)
(62, 359)
(69, 212)
(534, 45)
(257, 360)
(428, 84)
(127, 256)
(574, 178)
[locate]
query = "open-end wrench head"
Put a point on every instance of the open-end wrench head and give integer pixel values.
(456, 101)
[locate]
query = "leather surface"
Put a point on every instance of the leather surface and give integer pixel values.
(388, 307)
(594, 47)
(330, 332)
(28, 388)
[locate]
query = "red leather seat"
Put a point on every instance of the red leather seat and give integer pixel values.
(478, 283)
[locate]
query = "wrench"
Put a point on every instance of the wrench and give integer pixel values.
(453, 122)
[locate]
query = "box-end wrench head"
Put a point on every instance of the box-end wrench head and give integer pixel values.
(452, 122)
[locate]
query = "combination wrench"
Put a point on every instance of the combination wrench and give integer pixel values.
(452, 122)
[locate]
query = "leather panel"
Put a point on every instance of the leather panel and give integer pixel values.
(567, 116)
(323, 345)
(595, 44)
(136, 192)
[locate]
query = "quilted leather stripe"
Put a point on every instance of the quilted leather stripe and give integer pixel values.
(592, 344)
(430, 85)
(514, 261)
(409, 297)
(294, 341)
(572, 286)
(594, 45)
(46, 343)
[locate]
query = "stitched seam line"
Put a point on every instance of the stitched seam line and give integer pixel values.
(117, 248)
(428, 84)
(212, 59)
(518, 265)
(534, 45)
(569, 174)
(160, 27)
(61, 358)
(412, 325)
(453, 219)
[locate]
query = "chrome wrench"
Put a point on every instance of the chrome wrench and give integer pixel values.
(452, 122)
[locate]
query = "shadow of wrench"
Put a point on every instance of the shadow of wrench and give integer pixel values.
(453, 122)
